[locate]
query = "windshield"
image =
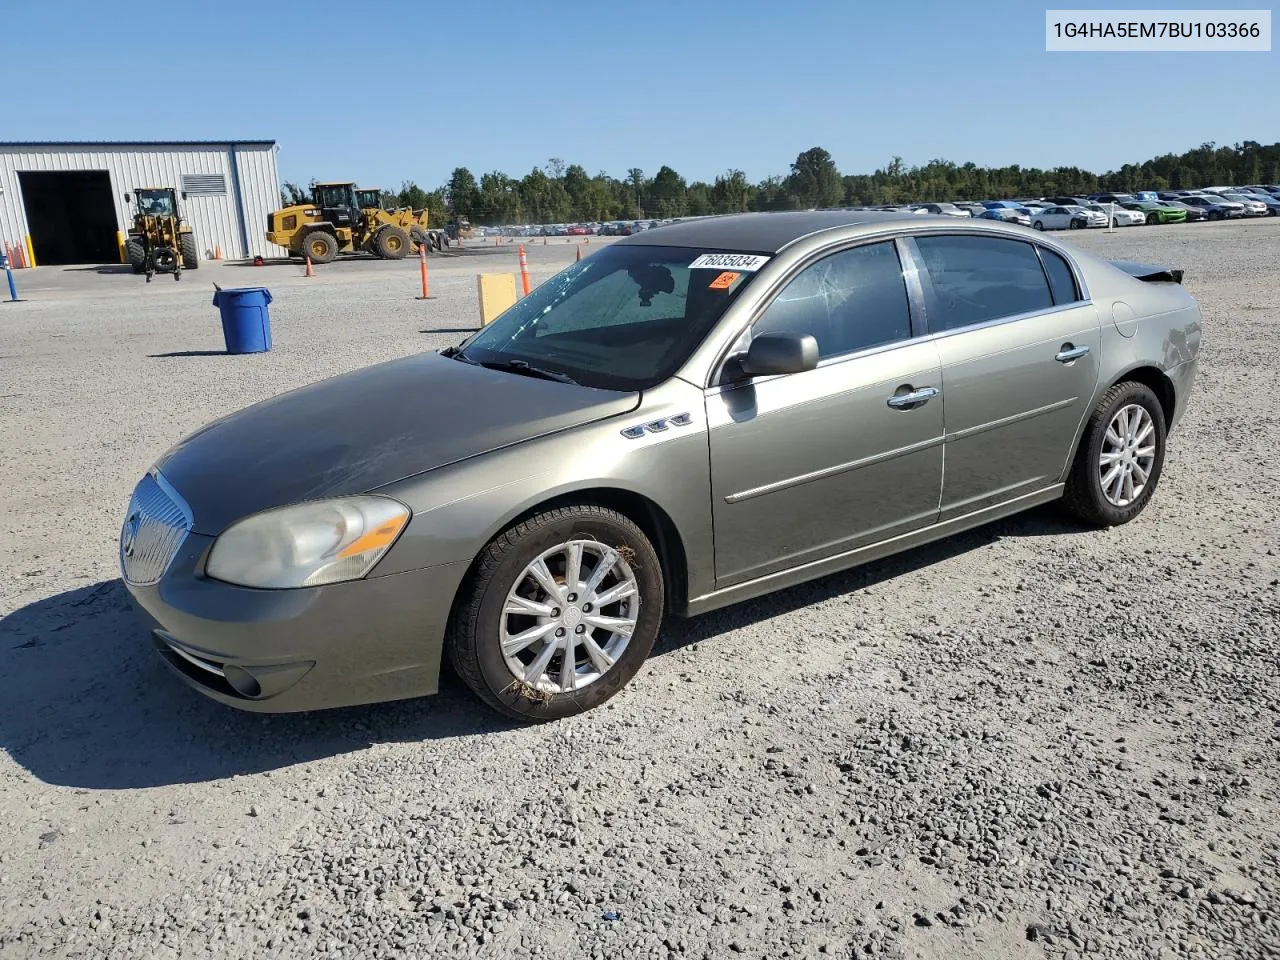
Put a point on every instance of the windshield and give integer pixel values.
(624, 318)
(155, 203)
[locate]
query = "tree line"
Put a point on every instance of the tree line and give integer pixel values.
(566, 193)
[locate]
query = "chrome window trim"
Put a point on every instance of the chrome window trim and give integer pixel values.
(901, 234)
(1082, 289)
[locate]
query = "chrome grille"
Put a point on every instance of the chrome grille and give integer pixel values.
(154, 528)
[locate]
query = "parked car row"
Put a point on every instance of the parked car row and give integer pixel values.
(1042, 213)
(1107, 209)
(614, 228)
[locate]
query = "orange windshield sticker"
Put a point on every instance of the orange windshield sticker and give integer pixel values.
(725, 280)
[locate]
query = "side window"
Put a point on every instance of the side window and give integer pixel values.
(1061, 281)
(852, 300)
(976, 279)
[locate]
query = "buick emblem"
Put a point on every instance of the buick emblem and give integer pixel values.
(129, 536)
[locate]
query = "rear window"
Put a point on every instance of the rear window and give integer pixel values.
(977, 279)
(1062, 283)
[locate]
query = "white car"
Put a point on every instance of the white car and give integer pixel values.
(1123, 217)
(941, 209)
(1067, 218)
(1252, 207)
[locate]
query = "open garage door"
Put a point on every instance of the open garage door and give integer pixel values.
(71, 215)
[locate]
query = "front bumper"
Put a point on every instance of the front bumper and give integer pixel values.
(277, 651)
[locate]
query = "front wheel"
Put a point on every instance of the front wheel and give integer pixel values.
(190, 255)
(1152, 219)
(1076, 224)
(559, 613)
(1039, 225)
(1120, 458)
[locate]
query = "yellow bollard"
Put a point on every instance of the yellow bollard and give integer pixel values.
(120, 244)
(31, 253)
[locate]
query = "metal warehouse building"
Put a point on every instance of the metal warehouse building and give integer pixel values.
(66, 201)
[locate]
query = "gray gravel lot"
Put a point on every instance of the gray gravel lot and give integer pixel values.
(1031, 740)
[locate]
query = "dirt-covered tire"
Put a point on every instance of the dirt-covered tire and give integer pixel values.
(418, 238)
(136, 254)
(190, 255)
(391, 242)
(320, 245)
(1091, 494)
(504, 598)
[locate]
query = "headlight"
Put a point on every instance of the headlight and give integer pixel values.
(326, 541)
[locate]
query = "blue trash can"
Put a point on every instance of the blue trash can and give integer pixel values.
(246, 321)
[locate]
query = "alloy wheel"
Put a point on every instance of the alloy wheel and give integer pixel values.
(569, 616)
(1128, 455)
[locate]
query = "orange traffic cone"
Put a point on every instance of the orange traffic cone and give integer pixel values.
(310, 272)
(217, 252)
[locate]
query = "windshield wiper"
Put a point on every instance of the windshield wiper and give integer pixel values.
(525, 368)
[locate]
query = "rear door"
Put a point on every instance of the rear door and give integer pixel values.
(812, 464)
(1018, 342)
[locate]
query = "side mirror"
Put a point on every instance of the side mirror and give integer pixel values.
(128, 198)
(184, 194)
(778, 353)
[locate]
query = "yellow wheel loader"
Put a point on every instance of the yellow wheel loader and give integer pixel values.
(414, 222)
(159, 240)
(334, 222)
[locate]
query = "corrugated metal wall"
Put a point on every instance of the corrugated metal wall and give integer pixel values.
(214, 219)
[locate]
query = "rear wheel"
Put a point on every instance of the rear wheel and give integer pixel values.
(136, 254)
(559, 613)
(320, 245)
(190, 256)
(391, 243)
(1120, 459)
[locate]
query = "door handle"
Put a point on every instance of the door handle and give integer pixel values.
(907, 401)
(1069, 353)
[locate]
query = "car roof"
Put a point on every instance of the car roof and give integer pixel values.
(760, 232)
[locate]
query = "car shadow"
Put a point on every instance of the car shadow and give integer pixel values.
(85, 702)
(450, 330)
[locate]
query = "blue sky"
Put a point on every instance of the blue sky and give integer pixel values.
(703, 87)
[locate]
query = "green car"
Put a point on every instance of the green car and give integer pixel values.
(1157, 212)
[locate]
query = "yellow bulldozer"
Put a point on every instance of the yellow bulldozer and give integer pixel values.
(159, 240)
(336, 221)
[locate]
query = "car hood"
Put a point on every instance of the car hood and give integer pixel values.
(362, 430)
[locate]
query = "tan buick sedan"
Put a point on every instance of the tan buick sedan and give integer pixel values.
(698, 414)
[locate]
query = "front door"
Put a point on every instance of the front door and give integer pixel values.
(812, 464)
(1019, 351)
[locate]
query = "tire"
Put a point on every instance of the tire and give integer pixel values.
(1112, 224)
(478, 620)
(1075, 225)
(1085, 497)
(190, 255)
(320, 245)
(136, 254)
(1215, 215)
(1038, 224)
(417, 238)
(1152, 219)
(391, 243)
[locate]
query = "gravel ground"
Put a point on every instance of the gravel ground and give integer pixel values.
(1031, 740)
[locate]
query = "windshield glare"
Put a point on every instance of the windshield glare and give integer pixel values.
(624, 318)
